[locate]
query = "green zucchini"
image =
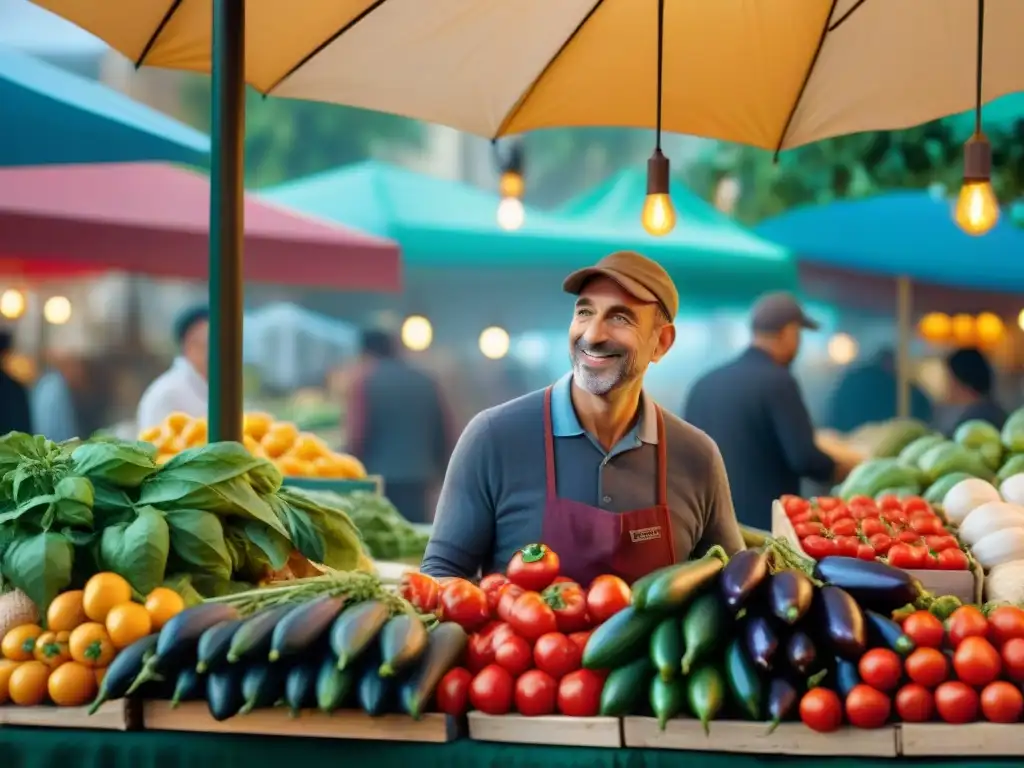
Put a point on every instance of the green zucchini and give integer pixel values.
(262, 686)
(252, 640)
(300, 685)
(667, 648)
(402, 641)
(375, 693)
(212, 650)
(356, 628)
(190, 686)
(676, 588)
(704, 627)
(625, 688)
(333, 686)
(224, 692)
(706, 693)
(668, 699)
(304, 625)
(123, 671)
(744, 682)
(643, 585)
(445, 645)
(621, 639)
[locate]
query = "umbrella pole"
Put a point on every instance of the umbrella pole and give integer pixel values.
(227, 190)
(904, 310)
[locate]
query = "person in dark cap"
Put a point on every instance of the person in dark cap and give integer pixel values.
(182, 388)
(15, 412)
(970, 390)
(396, 424)
(590, 466)
(753, 408)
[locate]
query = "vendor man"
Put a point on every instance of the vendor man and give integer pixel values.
(590, 466)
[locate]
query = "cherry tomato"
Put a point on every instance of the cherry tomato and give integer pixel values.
(1001, 702)
(533, 567)
(862, 501)
(818, 547)
(926, 525)
(579, 693)
(422, 591)
(491, 691)
(952, 560)
(956, 702)
(465, 604)
(905, 556)
(607, 596)
(880, 543)
(536, 693)
(880, 668)
(867, 707)
(580, 638)
(966, 621)
(927, 667)
(821, 710)
(794, 505)
(809, 529)
(941, 543)
(871, 527)
(845, 527)
(912, 504)
(865, 552)
(804, 517)
(908, 537)
(930, 561)
(1006, 623)
(976, 662)
(514, 655)
(507, 596)
(890, 503)
(531, 617)
(826, 503)
(569, 603)
(1013, 659)
(924, 629)
(846, 545)
(491, 585)
(915, 704)
(556, 654)
(453, 692)
(893, 516)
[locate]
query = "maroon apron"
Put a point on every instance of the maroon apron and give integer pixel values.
(591, 541)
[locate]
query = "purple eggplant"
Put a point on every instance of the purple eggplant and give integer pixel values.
(886, 633)
(874, 585)
(801, 653)
(783, 701)
(790, 594)
(845, 676)
(761, 640)
(742, 576)
(839, 621)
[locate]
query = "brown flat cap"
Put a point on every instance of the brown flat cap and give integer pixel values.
(639, 276)
(774, 311)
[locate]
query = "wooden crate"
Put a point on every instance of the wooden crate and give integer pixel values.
(753, 738)
(553, 730)
(373, 484)
(345, 724)
(966, 585)
(123, 715)
(973, 741)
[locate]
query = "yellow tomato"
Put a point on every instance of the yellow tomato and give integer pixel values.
(52, 648)
(66, 611)
(7, 667)
(72, 685)
(102, 592)
(27, 686)
(163, 604)
(127, 623)
(19, 644)
(90, 645)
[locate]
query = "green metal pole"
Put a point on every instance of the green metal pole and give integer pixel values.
(227, 191)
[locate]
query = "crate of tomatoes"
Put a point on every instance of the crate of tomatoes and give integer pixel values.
(522, 678)
(906, 533)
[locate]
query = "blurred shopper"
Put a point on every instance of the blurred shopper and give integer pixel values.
(866, 393)
(183, 387)
(753, 408)
(396, 425)
(15, 414)
(54, 411)
(970, 391)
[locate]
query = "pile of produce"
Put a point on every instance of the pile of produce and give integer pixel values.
(327, 643)
(386, 534)
(528, 631)
(212, 520)
(86, 631)
(294, 453)
(905, 533)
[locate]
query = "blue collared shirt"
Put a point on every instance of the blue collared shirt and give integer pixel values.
(565, 423)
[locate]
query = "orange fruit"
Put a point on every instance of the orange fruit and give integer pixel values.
(127, 623)
(309, 447)
(151, 435)
(277, 442)
(176, 422)
(90, 645)
(102, 592)
(19, 644)
(52, 648)
(194, 433)
(72, 685)
(27, 685)
(256, 425)
(7, 667)
(163, 604)
(99, 673)
(351, 467)
(66, 611)
(292, 466)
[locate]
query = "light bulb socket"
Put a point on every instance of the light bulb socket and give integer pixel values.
(657, 174)
(977, 159)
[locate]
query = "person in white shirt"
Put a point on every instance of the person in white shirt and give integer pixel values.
(183, 387)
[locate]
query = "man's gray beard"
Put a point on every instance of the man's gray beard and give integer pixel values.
(598, 383)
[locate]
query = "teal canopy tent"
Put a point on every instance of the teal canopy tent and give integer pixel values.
(52, 116)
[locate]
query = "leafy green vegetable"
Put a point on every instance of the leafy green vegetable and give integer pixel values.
(182, 584)
(40, 566)
(197, 538)
(342, 543)
(275, 546)
(73, 505)
(306, 537)
(138, 550)
(122, 464)
(211, 464)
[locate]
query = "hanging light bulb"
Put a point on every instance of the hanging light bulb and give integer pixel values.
(511, 214)
(977, 208)
(511, 187)
(658, 215)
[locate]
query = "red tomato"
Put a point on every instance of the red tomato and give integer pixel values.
(890, 503)
(927, 667)
(507, 597)
(956, 702)
(865, 552)
(924, 629)
(453, 692)
(821, 710)
(607, 596)
(479, 652)
(557, 655)
(826, 503)
(931, 560)
(579, 693)
(514, 655)
(808, 529)
(976, 662)
(1013, 659)
(535, 694)
(1006, 623)
(926, 525)
(804, 517)
(794, 505)
(531, 617)
(908, 537)
(491, 690)
(1001, 702)
(941, 543)
(905, 556)
(818, 547)
(865, 502)
(465, 604)
(915, 704)
(847, 526)
(846, 545)
(569, 603)
(952, 560)
(966, 621)
(422, 591)
(872, 526)
(880, 542)
(580, 638)
(864, 513)
(880, 668)
(491, 585)
(893, 516)
(867, 707)
(912, 504)
(563, 580)
(533, 567)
